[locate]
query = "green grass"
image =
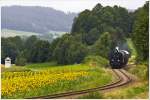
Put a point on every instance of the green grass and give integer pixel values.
(140, 70)
(131, 92)
(15, 69)
(92, 95)
(37, 66)
(133, 51)
(29, 67)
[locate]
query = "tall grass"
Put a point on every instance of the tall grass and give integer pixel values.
(92, 95)
(131, 92)
(140, 70)
(15, 69)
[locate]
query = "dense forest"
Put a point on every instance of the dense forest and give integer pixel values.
(94, 32)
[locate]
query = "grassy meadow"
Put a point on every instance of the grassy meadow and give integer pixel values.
(31, 80)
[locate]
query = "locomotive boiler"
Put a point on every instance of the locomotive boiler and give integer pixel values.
(118, 58)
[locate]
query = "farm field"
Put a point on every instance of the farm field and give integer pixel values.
(49, 36)
(52, 79)
(12, 33)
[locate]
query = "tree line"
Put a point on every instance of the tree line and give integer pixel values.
(93, 32)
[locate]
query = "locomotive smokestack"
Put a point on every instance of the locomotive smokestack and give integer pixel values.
(117, 48)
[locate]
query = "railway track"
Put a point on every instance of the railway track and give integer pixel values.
(123, 79)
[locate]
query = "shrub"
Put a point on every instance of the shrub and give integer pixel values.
(20, 61)
(141, 70)
(98, 60)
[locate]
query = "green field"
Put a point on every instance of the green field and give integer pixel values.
(12, 33)
(46, 36)
(51, 79)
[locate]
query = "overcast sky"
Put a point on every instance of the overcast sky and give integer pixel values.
(74, 5)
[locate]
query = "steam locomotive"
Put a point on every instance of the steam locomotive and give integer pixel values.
(118, 58)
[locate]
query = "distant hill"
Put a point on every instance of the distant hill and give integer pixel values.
(36, 19)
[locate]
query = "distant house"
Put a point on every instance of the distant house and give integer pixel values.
(7, 62)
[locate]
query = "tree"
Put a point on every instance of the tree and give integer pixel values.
(80, 24)
(69, 51)
(29, 45)
(76, 52)
(40, 52)
(140, 35)
(30, 50)
(102, 19)
(11, 47)
(21, 60)
(92, 36)
(103, 45)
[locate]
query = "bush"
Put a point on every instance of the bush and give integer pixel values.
(141, 71)
(20, 61)
(98, 60)
(102, 46)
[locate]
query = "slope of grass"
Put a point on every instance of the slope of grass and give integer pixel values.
(140, 70)
(14, 69)
(92, 95)
(37, 66)
(131, 92)
(133, 51)
(29, 67)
